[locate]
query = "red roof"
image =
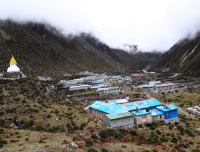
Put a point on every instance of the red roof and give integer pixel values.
(137, 74)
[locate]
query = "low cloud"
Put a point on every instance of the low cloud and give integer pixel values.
(150, 24)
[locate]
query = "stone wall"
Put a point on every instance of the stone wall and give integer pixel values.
(172, 120)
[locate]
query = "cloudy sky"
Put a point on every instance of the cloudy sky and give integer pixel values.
(150, 24)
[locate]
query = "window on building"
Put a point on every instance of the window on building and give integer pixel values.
(122, 120)
(144, 118)
(167, 113)
(160, 116)
(129, 118)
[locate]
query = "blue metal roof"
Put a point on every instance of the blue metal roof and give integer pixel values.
(143, 104)
(142, 112)
(118, 101)
(172, 106)
(154, 111)
(168, 107)
(111, 107)
(149, 86)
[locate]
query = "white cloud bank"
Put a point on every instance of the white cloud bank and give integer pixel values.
(150, 24)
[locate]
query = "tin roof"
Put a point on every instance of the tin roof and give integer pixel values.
(168, 107)
(118, 101)
(137, 74)
(99, 81)
(172, 106)
(111, 107)
(155, 112)
(141, 112)
(149, 86)
(164, 85)
(119, 115)
(116, 76)
(154, 82)
(112, 88)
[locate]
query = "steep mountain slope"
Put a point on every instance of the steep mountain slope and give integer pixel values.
(44, 50)
(136, 61)
(184, 56)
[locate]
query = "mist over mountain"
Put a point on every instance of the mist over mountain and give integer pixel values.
(184, 56)
(46, 51)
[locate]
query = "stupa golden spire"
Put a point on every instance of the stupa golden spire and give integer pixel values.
(13, 60)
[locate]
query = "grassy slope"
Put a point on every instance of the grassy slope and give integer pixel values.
(36, 96)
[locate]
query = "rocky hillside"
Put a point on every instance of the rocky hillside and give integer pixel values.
(44, 50)
(184, 56)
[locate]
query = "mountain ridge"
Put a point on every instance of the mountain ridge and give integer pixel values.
(46, 51)
(183, 57)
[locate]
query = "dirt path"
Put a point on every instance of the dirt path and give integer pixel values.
(53, 121)
(186, 113)
(36, 101)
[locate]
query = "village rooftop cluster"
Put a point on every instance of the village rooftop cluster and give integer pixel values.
(121, 112)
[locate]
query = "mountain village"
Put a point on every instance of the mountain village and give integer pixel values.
(144, 111)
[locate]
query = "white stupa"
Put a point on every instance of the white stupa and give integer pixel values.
(13, 66)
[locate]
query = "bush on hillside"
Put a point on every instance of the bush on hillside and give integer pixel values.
(88, 143)
(92, 150)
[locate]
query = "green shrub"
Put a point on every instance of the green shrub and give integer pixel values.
(1, 145)
(48, 116)
(68, 124)
(1, 131)
(101, 140)
(26, 139)
(31, 123)
(174, 140)
(81, 127)
(31, 116)
(88, 143)
(40, 141)
(163, 139)
(133, 132)
(94, 136)
(107, 133)
(153, 139)
(158, 132)
(39, 128)
(74, 138)
(189, 132)
(62, 129)
(191, 143)
(1, 113)
(23, 101)
(92, 150)
(104, 150)
(152, 128)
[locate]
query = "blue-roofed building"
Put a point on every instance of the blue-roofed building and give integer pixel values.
(157, 115)
(170, 112)
(142, 116)
(99, 108)
(145, 111)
